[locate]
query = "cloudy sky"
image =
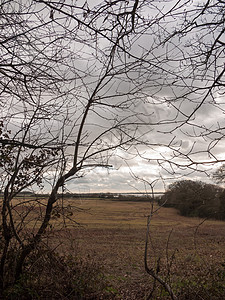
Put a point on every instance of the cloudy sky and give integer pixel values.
(200, 140)
(146, 78)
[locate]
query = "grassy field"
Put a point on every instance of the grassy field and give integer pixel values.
(189, 253)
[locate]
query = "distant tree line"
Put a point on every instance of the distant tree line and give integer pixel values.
(196, 199)
(110, 196)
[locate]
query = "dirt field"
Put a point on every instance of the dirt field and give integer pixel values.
(189, 253)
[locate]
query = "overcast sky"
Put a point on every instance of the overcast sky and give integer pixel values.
(161, 75)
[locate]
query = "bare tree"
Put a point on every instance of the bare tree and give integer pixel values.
(71, 94)
(80, 81)
(191, 39)
(219, 174)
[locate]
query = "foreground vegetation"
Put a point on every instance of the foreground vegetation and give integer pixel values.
(102, 257)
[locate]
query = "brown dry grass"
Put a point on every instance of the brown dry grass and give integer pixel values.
(190, 251)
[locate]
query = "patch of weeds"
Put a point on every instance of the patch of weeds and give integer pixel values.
(221, 272)
(87, 278)
(200, 287)
(22, 290)
(52, 276)
(118, 278)
(111, 290)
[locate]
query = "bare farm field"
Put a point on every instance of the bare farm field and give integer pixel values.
(187, 253)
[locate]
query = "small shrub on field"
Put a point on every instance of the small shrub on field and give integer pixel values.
(51, 276)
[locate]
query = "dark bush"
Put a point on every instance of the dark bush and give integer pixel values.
(48, 275)
(196, 199)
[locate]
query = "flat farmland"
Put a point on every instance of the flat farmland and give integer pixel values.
(188, 253)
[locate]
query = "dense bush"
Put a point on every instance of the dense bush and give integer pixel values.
(196, 199)
(48, 275)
